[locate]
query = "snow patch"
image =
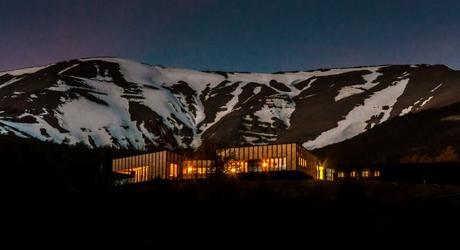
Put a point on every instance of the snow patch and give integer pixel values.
(99, 119)
(257, 90)
(279, 108)
(348, 91)
(355, 121)
(68, 68)
(32, 130)
(11, 81)
(250, 139)
(435, 88)
(19, 72)
(60, 86)
(406, 111)
(229, 107)
(426, 101)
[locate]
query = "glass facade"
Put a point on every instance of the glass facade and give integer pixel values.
(308, 163)
(267, 158)
(146, 167)
(236, 160)
(196, 169)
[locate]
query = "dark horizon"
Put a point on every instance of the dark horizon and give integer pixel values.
(256, 36)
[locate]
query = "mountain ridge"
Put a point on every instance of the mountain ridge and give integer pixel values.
(228, 71)
(108, 101)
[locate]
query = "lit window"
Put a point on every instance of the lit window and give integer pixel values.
(376, 173)
(139, 173)
(365, 173)
(264, 164)
(172, 170)
(353, 174)
(341, 174)
(330, 174)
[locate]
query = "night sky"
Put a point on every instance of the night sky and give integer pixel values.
(239, 35)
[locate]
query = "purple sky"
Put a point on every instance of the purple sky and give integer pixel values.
(234, 35)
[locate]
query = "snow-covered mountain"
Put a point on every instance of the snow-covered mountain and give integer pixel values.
(124, 104)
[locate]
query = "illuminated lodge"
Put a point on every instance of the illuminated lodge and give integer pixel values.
(236, 160)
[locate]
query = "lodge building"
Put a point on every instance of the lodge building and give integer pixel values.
(169, 165)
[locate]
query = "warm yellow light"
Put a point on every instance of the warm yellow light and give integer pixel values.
(321, 173)
(172, 170)
(233, 170)
(189, 169)
(365, 173)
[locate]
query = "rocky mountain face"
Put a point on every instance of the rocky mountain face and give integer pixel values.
(111, 102)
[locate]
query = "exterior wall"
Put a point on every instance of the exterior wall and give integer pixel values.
(196, 169)
(274, 157)
(174, 165)
(146, 167)
(308, 163)
(258, 158)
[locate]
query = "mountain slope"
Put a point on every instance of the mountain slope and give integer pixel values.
(124, 104)
(426, 136)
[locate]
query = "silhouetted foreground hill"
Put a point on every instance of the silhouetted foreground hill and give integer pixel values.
(163, 212)
(31, 165)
